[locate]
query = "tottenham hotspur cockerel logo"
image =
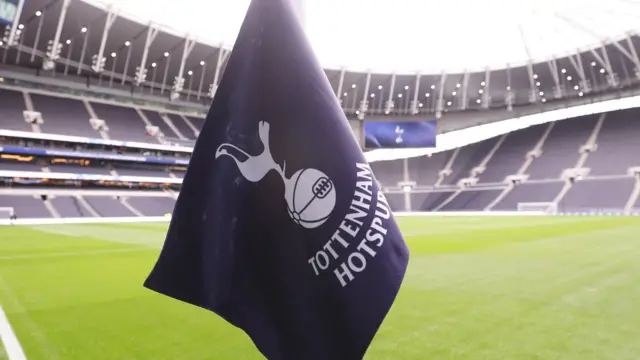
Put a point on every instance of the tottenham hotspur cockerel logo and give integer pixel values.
(309, 193)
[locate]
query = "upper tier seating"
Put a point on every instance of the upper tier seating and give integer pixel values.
(25, 207)
(182, 126)
(68, 206)
(471, 200)
(618, 144)
(535, 192)
(63, 116)
(156, 120)
(511, 155)
(468, 158)
(123, 123)
(152, 206)
(11, 111)
(600, 195)
(107, 206)
(562, 148)
(425, 170)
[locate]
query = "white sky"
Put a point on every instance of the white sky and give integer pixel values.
(416, 35)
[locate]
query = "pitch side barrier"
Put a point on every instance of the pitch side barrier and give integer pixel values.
(469, 213)
(92, 220)
(151, 219)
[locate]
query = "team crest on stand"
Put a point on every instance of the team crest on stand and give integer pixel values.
(310, 194)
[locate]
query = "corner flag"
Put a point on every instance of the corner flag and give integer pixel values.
(280, 227)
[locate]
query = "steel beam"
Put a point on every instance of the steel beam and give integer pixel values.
(152, 32)
(576, 62)
(508, 98)
(341, 85)
(113, 70)
(390, 102)
(415, 108)
(486, 99)
(112, 15)
(533, 94)
(67, 63)
(440, 104)
(553, 68)
(634, 54)
(84, 50)
(126, 65)
(189, 43)
(19, 49)
(16, 22)
(222, 57)
(465, 90)
(603, 59)
(166, 73)
(364, 104)
(37, 40)
(55, 54)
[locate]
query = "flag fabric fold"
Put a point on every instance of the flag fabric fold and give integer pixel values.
(280, 227)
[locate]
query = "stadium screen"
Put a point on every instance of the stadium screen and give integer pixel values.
(8, 10)
(399, 134)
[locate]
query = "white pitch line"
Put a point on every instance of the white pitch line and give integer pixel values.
(11, 345)
(77, 253)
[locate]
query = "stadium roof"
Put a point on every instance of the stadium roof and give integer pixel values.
(408, 36)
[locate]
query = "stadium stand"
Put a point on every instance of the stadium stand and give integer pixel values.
(11, 111)
(605, 145)
(182, 126)
(156, 120)
(63, 116)
(123, 123)
(598, 194)
(109, 206)
(197, 123)
(388, 173)
(20, 166)
(132, 170)
(396, 201)
(511, 155)
(562, 148)
(429, 201)
(26, 206)
(152, 206)
(618, 144)
(468, 158)
(75, 169)
(425, 170)
(471, 200)
(68, 206)
(530, 192)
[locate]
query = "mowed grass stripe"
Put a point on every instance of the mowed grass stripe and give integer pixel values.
(22, 240)
(483, 306)
(477, 288)
(3, 354)
(111, 233)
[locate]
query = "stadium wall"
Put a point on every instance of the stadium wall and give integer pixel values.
(92, 220)
(151, 219)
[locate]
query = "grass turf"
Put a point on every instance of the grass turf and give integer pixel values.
(477, 288)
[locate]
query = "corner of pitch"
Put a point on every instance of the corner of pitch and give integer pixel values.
(349, 229)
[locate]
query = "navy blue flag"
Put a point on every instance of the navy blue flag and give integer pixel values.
(280, 227)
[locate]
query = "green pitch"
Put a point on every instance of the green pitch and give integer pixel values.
(477, 288)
